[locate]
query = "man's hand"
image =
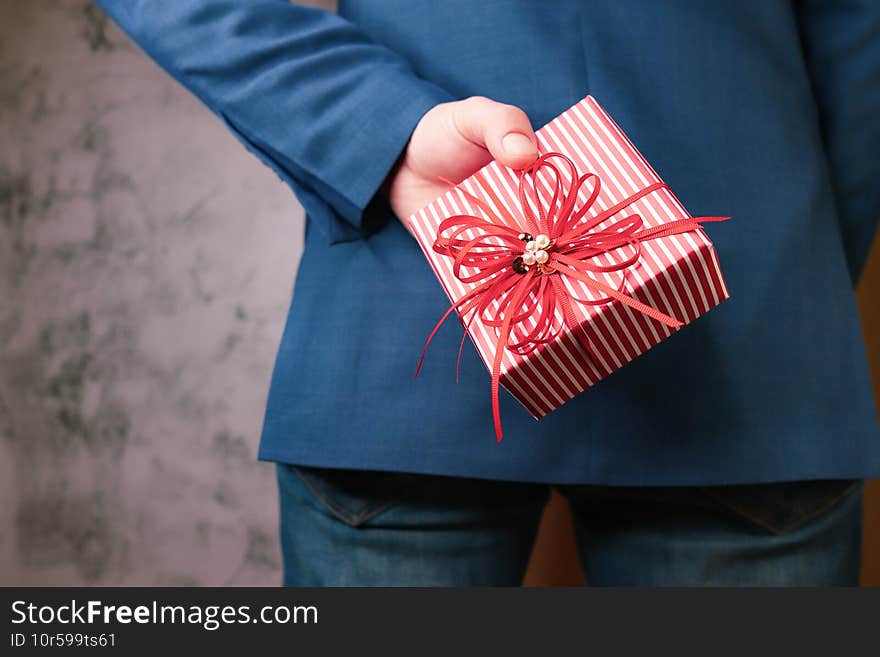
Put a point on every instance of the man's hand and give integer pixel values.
(453, 141)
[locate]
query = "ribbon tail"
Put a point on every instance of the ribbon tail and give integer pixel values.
(625, 203)
(504, 333)
(467, 297)
(461, 345)
(635, 304)
(574, 327)
(496, 383)
(460, 350)
(676, 227)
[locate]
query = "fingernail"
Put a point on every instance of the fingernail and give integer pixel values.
(517, 144)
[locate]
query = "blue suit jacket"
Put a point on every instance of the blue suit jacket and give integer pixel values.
(762, 109)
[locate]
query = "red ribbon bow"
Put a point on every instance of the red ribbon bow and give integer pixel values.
(521, 269)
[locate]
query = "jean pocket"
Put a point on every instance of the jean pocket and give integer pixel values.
(355, 496)
(782, 507)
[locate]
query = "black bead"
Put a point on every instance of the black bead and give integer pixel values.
(519, 266)
(525, 237)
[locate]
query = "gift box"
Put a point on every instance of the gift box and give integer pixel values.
(565, 271)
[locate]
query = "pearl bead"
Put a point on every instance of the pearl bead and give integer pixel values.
(528, 258)
(525, 237)
(542, 241)
(541, 257)
(531, 246)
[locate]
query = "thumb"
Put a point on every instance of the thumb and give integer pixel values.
(503, 130)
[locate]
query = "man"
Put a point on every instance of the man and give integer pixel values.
(732, 453)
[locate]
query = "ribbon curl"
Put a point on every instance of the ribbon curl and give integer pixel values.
(497, 260)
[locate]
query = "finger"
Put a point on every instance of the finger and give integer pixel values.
(504, 130)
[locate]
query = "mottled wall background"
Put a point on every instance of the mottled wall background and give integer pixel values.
(146, 264)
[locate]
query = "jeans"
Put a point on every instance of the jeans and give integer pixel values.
(368, 528)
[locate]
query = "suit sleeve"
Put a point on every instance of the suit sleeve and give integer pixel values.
(307, 92)
(841, 41)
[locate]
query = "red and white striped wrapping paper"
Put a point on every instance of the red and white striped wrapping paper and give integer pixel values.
(678, 275)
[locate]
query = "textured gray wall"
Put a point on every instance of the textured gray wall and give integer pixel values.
(146, 264)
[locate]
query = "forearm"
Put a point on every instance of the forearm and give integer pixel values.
(328, 109)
